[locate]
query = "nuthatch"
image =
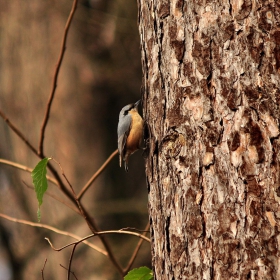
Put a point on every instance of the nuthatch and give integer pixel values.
(130, 132)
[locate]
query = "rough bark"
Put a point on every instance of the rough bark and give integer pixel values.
(211, 103)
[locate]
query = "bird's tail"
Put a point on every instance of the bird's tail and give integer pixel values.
(126, 166)
(120, 160)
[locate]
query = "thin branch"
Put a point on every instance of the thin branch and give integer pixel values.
(89, 220)
(94, 228)
(56, 72)
(68, 245)
(146, 230)
(91, 224)
(71, 271)
(59, 182)
(65, 233)
(99, 233)
(70, 261)
(42, 270)
(73, 192)
(56, 198)
(96, 174)
(136, 250)
(68, 182)
(24, 168)
(18, 133)
(123, 232)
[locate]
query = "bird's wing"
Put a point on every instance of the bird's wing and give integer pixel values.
(123, 132)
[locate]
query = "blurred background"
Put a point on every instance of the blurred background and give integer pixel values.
(100, 73)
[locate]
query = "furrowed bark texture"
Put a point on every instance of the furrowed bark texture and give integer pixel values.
(211, 80)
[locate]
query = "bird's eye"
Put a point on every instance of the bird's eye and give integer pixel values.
(125, 112)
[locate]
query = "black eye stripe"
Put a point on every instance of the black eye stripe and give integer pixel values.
(126, 111)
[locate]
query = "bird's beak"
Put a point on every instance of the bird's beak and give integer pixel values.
(137, 103)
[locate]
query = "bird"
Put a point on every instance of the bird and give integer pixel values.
(130, 132)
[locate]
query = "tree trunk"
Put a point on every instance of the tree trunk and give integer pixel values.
(211, 103)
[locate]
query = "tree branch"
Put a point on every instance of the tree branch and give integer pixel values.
(91, 224)
(70, 271)
(54, 83)
(24, 168)
(99, 233)
(136, 250)
(42, 270)
(96, 174)
(56, 198)
(61, 232)
(70, 261)
(18, 132)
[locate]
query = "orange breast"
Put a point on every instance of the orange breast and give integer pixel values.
(136, 132)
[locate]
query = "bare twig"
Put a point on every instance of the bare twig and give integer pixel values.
(96, 174)
(136, 250)
(54, 230)
(56, 198)
(99, 233)
(68, 182)
(68, 245)
(74, 193)
(42, 270)
(146, 230)
(92, 225)
(124, 232)
(90, 221)
(59, 181)
(28, 169)
(24, 168)
(54, 83)
(57, 178)
(18, 133)
(71, 271)
(70, 261)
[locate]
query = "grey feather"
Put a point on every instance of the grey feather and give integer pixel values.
(123, 129)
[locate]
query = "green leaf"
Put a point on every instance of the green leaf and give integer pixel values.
(40, 181)
(39, 214)
(141, 273)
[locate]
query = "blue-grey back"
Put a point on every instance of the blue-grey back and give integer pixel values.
(124, 124)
